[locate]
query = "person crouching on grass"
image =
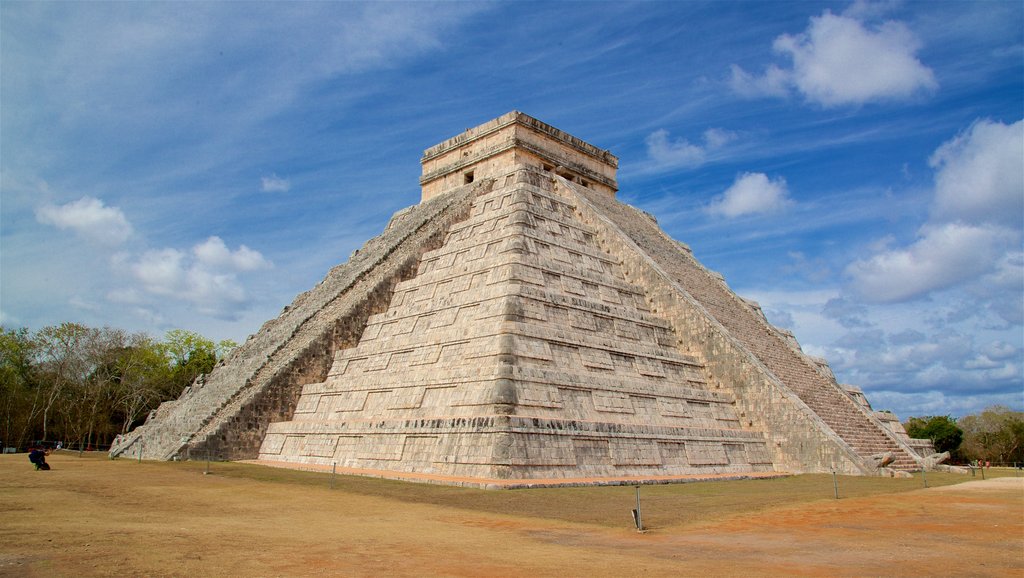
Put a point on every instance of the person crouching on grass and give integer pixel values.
(37, 456)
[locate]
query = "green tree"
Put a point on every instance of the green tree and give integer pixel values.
(191, 355)
(64, 364)
(941, 429)
(20, 394)
(85, 385)
(996, 435)
(224, 347)
(79, 369)
(142, 379)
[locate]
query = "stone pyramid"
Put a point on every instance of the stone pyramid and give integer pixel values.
(522, 327)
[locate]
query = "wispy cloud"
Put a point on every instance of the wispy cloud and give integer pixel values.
(751, 194)
(89, 218)
(675, 153)
(893, 349)
(841, 60)
(274, 184)
(666, 153)
(846, 313)
(207, 276)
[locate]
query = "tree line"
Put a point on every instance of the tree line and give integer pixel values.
(995, 435)
(83, 385)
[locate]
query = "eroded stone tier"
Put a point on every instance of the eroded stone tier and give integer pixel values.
(225, 414)
(519, 351)
(495, 147)
(813, 422)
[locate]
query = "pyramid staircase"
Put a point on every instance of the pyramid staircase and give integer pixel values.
(224, 415)
(856, 426)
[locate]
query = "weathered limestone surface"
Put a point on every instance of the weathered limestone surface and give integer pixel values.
(521, 324)
(519, 351)
(921, 447)
(225, 414)
(513, 139)
(813, 424)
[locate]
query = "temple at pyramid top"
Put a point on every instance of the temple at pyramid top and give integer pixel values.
(492, 148)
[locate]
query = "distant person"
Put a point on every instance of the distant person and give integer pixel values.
(59, 445)
(38, 458)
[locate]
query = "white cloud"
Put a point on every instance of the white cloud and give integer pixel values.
(774, 82)
(845, 312)
(90, 218)
(862, 10)
(103, 54)
(942, 256)
(160, 271)
(980, 175)
(974, 233)
(1000, 291)
(715, 138)
(1001, 350)
(672, 153)
(83, 304)
(816, 270)
(780, 318)
(206, 277)
(677, 153)
(839, 61)
(938, 403)
(970, 363)
(893, 348)
(214, 253)
(982, 362)
(751, 193)
(274, 184)
(124, 295)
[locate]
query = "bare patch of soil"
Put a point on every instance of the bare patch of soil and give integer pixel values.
(94, 517)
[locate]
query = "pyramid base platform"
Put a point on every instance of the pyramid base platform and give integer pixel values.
(521, 483)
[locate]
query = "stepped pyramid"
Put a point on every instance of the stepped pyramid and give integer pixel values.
(522, 327)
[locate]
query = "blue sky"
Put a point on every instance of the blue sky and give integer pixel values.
(854, 167)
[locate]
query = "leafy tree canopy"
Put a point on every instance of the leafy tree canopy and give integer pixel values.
(85, 385)
(996, 434)
(941, 429)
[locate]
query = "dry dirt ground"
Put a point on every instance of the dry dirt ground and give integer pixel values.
(94, 517)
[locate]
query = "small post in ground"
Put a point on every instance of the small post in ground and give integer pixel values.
(334, 467)
(637, 517)
(925, 476)
(835, 483)
(207, 463)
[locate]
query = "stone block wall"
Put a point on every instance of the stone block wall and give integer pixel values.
(225, 413)
(495, 147)
(800, 437)
(519, 351)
